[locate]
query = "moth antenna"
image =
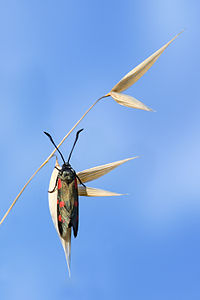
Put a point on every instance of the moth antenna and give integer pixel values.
(76, 139)
(55, 145)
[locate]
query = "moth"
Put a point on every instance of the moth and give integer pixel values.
(67, 194)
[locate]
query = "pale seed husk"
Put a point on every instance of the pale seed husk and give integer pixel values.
(135, 74)
(129, 101)
(93, 192)
(96, 172)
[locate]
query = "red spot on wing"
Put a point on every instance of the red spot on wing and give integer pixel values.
(59, 218)
(57, 201)
(59, 184)
(62, 204)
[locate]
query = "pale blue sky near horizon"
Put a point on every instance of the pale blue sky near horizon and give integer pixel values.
(56, 59)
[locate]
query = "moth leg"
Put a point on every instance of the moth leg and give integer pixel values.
(81, 181)
(54, 186)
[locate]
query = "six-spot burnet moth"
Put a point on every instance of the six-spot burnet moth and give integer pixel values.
(67, 195)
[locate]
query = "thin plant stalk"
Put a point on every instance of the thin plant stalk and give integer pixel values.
(49, 157)
(125, 100)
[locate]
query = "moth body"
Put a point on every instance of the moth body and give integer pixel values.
(67, 201)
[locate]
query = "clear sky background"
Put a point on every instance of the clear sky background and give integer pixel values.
(56, 59)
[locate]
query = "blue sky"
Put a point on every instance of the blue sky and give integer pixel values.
(56, 59)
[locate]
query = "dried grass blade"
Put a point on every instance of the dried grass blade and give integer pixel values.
(48, 158)
(129, 101)
(67, 249)
(96, 172)
(135, 74)
(93, 192)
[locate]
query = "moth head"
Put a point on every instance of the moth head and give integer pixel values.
(67, 173)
